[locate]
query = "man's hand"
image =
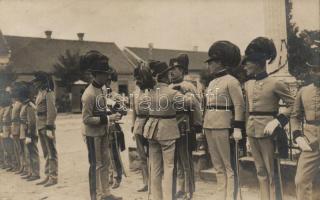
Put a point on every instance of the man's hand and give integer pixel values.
(115, 117)
(303, 144)
(28, 140)
(271, 126)
(50, 134)
(237, 135)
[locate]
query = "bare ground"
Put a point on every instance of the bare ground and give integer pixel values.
(73, 172)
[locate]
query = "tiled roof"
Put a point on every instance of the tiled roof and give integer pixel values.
(30, 54)
(196, 58)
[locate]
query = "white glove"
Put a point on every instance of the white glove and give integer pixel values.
(11, 136)
(271, 126)
(237, 135)
(1, 135)
(50, 134)
(248, 146)
(28, 140)
(303, 144)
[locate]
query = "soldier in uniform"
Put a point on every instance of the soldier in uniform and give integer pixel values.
(161, 130)
(225, 110)
(2, 148)
(96, 120)
(15, 129)
(307, 107)
(46, 114)
(7, 138)
(2, 160)
(263, 94)
(145, 82)
(189, 122)
(28, 133)
(115, 104)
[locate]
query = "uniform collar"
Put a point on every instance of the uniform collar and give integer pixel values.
(162, 84)
(26, 101)
(220, 74)
(96, 85)
(261, 75)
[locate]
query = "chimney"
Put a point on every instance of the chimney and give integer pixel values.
(150, 45)
(195, 48)
(48, 34)
(80, 36)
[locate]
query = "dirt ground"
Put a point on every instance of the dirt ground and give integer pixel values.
(73, 172)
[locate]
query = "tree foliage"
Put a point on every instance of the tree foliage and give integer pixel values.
(299, 45)
(68, 69)
(7, 77)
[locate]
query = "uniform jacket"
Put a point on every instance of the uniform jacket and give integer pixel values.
(225, 105)
(263, 95)
(140, 111)
(307, 106)
(164, 102)
(28, 121)
(46, 111)
(194, 115)
(6, 121)
(15, 118)
(94, 114)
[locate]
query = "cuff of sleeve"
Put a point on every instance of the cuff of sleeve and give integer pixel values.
(50, 127)
(296, 134)
(197, 128)
(283, 120)
(104, 119)
(238, 124)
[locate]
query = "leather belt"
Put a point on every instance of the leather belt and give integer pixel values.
(257, 113)
(142, 116)
(313, 122)
(163, 116)
(42, 113)
(215, 107)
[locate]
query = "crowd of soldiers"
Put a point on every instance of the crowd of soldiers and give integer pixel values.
(25, 121)
(168, 111)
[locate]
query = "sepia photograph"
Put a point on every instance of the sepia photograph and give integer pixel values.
(159, 99)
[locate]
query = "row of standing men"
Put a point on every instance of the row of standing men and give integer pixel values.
(167, 115)
(23, 124)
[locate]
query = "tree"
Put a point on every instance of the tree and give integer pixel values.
(68, 69)
(7, 77)
(299, 46)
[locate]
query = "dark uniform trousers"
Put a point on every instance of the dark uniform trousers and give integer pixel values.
(32, 157)
(115, 160)
(1, 151)
(98, 153)
(50, 154)
(9, 152)
(185, 169)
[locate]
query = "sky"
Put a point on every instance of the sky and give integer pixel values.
(170, 24)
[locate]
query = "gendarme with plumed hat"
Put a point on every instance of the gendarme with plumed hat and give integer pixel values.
(94, 61)
(225, 52)
(158, 68)
(260, 50)
(181, 60)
